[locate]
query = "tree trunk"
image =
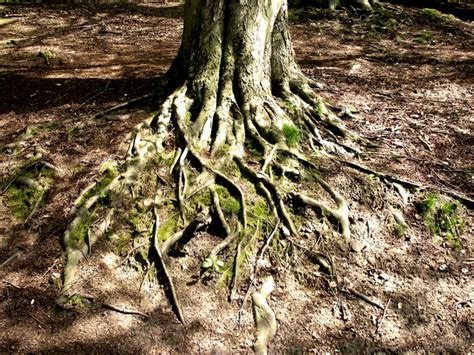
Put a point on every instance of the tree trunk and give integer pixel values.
(235, 54)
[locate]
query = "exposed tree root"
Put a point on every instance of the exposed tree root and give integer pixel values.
(264, 316)
(233, 160)
(206, 163)
(176, 303)
(468, 202)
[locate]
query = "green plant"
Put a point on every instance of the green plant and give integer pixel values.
(292, 134)
(213, 262)
(425, 37)
(443, 218)
(400, 230)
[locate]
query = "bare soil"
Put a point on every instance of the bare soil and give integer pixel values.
(410, 83)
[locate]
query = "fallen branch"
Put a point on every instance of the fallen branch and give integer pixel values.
(36, 205)
(11, 284)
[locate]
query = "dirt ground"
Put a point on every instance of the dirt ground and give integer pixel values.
(409, 81)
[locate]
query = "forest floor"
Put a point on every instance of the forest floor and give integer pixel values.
(408, 76)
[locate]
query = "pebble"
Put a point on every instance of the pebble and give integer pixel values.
(357, 246)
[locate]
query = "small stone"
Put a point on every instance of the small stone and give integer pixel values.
(357, 246)
(343, 246)
(443, 267)
(384, 276)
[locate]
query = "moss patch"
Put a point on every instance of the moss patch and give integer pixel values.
(21, 199)
(79, 235)
(425, 37)
(166, 229)
(443, 218)
(292, 134)
(229, 204)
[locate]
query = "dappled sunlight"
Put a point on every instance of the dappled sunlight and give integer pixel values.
(396, 285)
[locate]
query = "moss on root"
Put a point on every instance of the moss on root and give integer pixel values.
(21, 199)
(28, 187)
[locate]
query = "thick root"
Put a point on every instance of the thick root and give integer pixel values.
(265, 319)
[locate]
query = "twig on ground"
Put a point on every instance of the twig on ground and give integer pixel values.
(379, 324)
(425, 143)
(11, 284)
(96, 94)
(9, 259)
(365, 298)
(125, 310)
(36, 205)
(49, 269)
(254, 274)
(468, 202)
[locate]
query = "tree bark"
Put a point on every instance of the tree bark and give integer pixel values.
(235, 54)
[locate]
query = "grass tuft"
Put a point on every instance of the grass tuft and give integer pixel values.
(292, 134)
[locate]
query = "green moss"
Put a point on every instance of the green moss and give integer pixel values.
(258, 212)
(290, 107)
(108, 175)
(78, 235)
(203, 198)
(77, 301)
(443, 218)
(47, 55)
(169, 227)
(140, 219)
(229, 203)
(425, 37)
(435, 16)
(321, 109)
(21, 199)
(292, 134)
(121, 243)
(44, 127)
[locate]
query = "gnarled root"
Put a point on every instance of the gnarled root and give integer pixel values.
(230, 159)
